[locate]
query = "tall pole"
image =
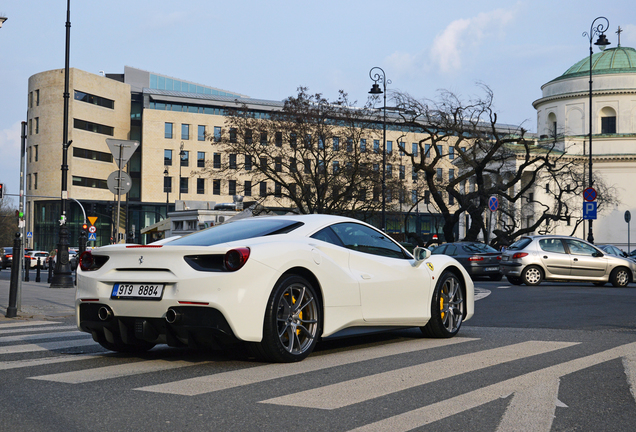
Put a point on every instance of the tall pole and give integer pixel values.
(62, 277)
(602, 43)
(181, 154)
(166, 173)
(377, 76)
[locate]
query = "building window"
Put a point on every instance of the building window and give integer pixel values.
(232, 135)
(547, 188)
(200, 186)
(278, 190)
(184, 185)
(264, 164)
(216, 160)
(402, 172)
(167, 157)
(93, 127)
(349, 145)
(92, 99)
(263, 189)
(90, 182)
(278, 164)
(415, 146)
(336, 167)
(427, 197)
(168, 131)
(247, 188)
(608, 125)
(30, 126)
(264, 138)
(451, 152)
(185, 131)
(376, 146)
(167, 184)
(336, 143)
(440, 149)
(451, 199)
(440, 174)
(389, 147)
(217, 133)
(451, 174)
(414, 175)
(363, 145)
(248, 136)
(200, 159)
(307, 163)
(201, 133)
(35, 180)
(292, 139)
(87, 154)
(185, 158)
(414, 196)
(389, 170)
(37, 125)
(308, 143)
(231, 187)
(279, 139)
(216, 187)
(232, 161)
(248, 163)
(37, 98)
(36, 154)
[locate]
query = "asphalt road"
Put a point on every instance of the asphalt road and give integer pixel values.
(558, 357)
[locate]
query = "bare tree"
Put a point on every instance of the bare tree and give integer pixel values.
(316, 154)
(8, 222)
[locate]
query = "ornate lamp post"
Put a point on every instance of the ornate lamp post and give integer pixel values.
(181, 155)
(601, 42)
(377, 75)
(166, 174)
(62, 277)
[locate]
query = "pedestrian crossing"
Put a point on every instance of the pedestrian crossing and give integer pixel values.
(533, 395)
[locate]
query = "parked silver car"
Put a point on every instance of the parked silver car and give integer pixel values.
(532, 259)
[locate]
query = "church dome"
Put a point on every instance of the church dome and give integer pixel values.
(611, 61)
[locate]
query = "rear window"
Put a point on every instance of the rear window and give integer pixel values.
(239, 230)
(520, 244)
(479, 248)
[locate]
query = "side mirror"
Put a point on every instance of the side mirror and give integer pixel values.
(421, 254)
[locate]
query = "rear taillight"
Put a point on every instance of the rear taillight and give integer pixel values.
(476, 258)
(519, 255)
(499, 257)
(89, 262)
(236, 258)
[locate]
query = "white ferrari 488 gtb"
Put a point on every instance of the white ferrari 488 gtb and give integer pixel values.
(276, 283)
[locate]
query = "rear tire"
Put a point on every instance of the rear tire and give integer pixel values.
(532, 275)
(620, 277)
(293, 322)
(447, 308)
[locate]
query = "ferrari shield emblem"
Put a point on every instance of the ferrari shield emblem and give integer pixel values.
(430, 265)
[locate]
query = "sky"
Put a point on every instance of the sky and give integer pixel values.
(267, 49)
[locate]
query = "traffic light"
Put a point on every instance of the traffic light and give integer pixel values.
(1, 190)
(84, 227)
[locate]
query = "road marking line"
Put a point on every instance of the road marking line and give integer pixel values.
(38, 336)
(46, 346)
(117, 371)
(226, 380)
(362, 389)
(23, 330)
(481, 293)
(531, 409)
(446, 408)
(26, 324)
(629, 364)
(17, 364)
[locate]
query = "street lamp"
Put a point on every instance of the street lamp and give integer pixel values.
(2, 19)
(377, 75)
(181, 155)
(601, 42)
(166, 174)
(62, 277)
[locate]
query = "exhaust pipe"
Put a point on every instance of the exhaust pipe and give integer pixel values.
(172, 316)
(104, 313)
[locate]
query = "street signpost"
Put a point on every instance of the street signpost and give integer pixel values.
(589, 194)
(122, 151)
(589, 210)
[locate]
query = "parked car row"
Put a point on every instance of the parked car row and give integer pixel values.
(46, 258)
(533, 259)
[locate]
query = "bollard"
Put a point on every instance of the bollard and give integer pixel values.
(27, 267)
(12, 310)
(50, 271)
(38, 266)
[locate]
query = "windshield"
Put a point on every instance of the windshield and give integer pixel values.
(520, 244)
(479, 248)
(239, 230)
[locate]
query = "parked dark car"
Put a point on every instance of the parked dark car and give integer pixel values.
(613, 250)
(477, 258)
(7, 256)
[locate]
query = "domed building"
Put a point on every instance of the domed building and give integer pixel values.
(563, 113)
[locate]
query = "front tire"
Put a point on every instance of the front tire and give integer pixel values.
(293, 321)
(620, 277)
(532, 275)
(447, 308)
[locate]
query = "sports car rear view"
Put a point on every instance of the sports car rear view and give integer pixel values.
(277, 284)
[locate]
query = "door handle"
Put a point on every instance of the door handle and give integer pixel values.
(576, 259)
(545, 257)
(365, 276)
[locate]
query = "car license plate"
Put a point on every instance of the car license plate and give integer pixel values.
(492, 268)
(505, 258)
(127, 291)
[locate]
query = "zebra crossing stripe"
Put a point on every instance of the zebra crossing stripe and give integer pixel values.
(531, 409)
(26, 324)
(24, 330)
(440, 410)
(39, 336)
(226, 380)
(46, 346)
(362, 389)
(116, 371)
(17, 364)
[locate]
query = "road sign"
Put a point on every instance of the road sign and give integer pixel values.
(92, 229)
(628, 216)
(92, 219)
(127, 148)
(589, 210)
(29, 234)
(589, 194)
(493, 203)
(92, 237)
(113, 183)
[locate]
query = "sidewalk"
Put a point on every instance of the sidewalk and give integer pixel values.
(38, 300)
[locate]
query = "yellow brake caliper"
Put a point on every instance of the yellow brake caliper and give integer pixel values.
(441, 304)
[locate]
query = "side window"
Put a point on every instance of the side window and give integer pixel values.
(440, 250)
(552, 245)
(579, 248)
(327, 235)
(451, 250)
(364, 239)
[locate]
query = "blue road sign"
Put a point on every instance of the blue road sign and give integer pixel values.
(29, 234)
(589, 210)
(493, 203)
(589, 194)
(93, 236)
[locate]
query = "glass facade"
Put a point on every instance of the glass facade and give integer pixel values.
(159, 82)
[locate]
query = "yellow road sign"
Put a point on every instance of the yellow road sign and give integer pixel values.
(92, 219)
